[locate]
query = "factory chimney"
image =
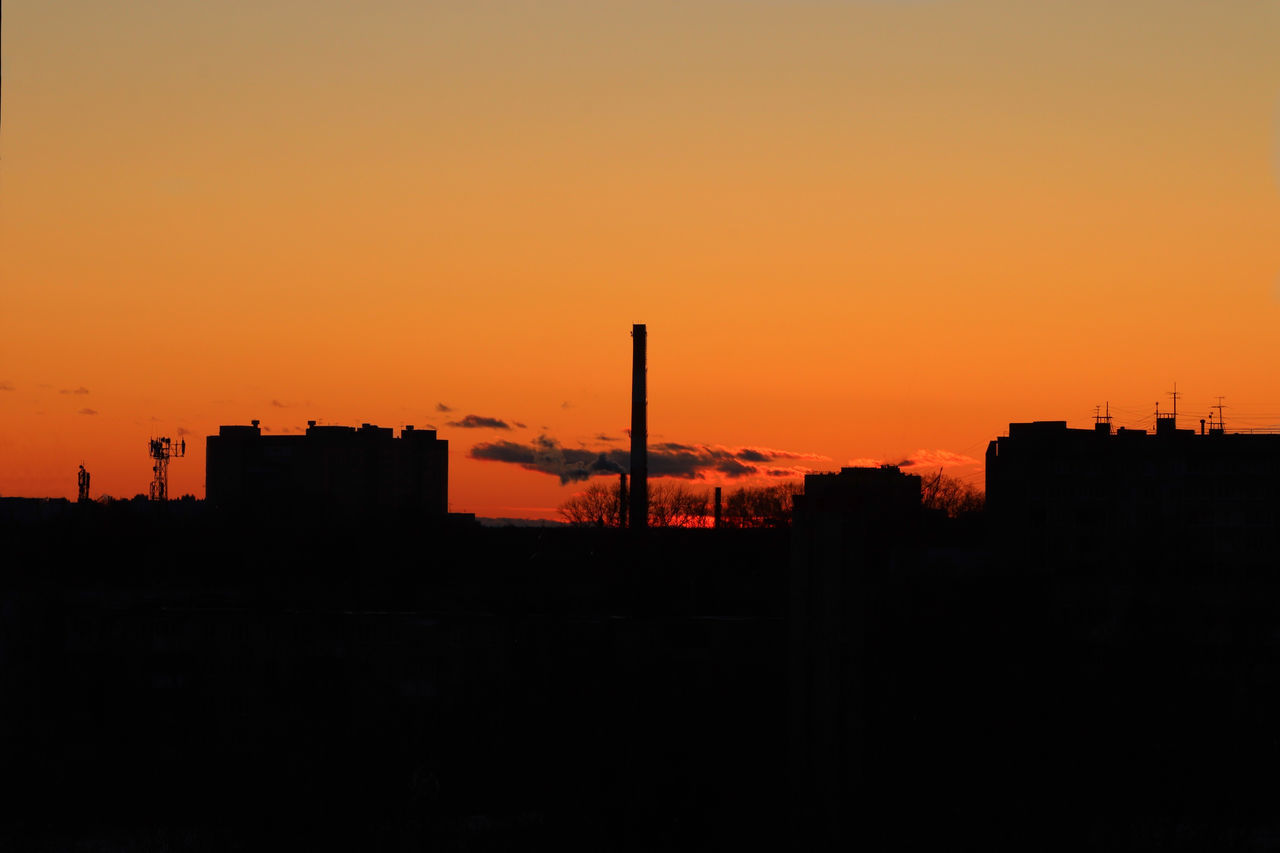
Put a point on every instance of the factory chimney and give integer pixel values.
(639, 430)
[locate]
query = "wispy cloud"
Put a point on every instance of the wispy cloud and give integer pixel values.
(277, 404)
(6, 386)
(666, 459)
(922, 458)
(479, 422)
(441, 407)
(937, 459)
(88, 412)
(80, 390)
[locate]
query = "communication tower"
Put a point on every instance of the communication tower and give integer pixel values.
(1217, 426)
(162, 450)
(82, 482)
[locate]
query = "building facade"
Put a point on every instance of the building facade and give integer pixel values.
(365, 469)
(1059, 495)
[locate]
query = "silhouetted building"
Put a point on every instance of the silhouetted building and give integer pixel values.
(1057, 495)
(850, 530)
(330, 467)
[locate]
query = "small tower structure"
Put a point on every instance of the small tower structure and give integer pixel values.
(162, 450)
(1217, 427)
(82, 483)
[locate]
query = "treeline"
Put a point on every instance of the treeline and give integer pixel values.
(675, 504)
(951, 496)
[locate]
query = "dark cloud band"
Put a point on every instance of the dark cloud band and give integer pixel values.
(667, 459)
(479, 422)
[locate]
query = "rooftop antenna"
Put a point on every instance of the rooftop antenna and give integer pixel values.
(162, 450)
(1174, 393)
(1101, 422)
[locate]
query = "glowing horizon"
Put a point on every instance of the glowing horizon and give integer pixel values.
(860, 231)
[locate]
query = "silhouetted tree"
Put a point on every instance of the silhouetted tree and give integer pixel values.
(597, 505)
(761, 506)
(670, 505)
(951, 495)
(676, 505)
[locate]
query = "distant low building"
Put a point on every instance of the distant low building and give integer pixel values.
(367, 469)
(1057, 495)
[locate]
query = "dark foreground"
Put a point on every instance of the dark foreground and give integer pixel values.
(179, 681)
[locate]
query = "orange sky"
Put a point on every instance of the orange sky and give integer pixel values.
(855, 228)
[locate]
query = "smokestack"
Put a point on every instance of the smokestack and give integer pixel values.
(639, 430)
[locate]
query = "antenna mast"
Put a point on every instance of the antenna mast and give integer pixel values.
(162, 450)
(1168, 424)
(1101, 422)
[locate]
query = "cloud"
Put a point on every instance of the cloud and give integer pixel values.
(88, 412)
(518, 425)
(733, 469)
(547, 456)
(6, 386)
(479, 422)
(183, 431)
(666, 459)
(80, 390)
(441, 407)
(702, 461)
(277, 404)
(602, 437)
(936, 459)
(504, 451)
(920, 459)
(566, 405)
(774, 453)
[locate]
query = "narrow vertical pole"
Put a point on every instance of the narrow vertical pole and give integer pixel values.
(718, 505)
(639, 429)
(622, 500)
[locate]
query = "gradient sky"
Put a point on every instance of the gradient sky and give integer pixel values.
(859, 230)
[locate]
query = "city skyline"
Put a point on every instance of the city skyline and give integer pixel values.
(861, 231)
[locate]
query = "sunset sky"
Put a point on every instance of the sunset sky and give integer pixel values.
(856, 229)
